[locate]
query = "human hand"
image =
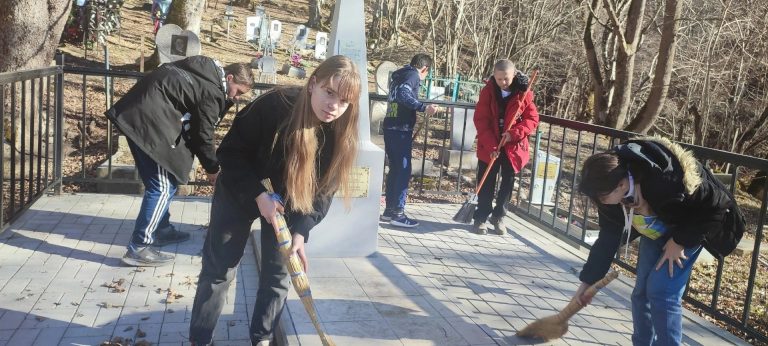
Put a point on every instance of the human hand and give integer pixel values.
(505, 138)
(674, 253)
(494, 155)
(297, 248)
(269, 207)
(580, 297)
(212, 177)
(431, 109)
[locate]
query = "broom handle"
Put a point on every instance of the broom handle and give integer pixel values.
(573, 306)
(509, 126)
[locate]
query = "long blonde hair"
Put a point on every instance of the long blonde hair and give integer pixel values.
(301, 145)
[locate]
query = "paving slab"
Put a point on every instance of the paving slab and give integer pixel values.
(434, 285)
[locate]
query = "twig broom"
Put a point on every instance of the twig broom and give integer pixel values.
(296, 271)
(554, 327)
(467, 210)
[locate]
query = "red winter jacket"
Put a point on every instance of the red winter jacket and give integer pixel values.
(486, 122)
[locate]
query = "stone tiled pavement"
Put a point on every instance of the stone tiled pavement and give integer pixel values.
(436, 285)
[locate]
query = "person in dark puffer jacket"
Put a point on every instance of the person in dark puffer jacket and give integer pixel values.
(169, 117)
(654, 188)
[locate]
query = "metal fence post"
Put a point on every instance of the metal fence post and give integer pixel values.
(59, 129)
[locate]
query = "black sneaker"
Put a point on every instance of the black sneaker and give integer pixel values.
(146, 256)
(169, 236)
(387, 215)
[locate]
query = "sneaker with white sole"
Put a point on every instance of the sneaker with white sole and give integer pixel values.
(403, 221)
(387, 215)
(146, 256)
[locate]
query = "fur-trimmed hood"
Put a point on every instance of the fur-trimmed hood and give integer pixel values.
(654, 157)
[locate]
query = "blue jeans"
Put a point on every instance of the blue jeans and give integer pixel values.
(159, 188)
(657, 312)
(397, 146)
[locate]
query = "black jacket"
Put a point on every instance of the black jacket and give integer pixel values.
(690, 201)
(152, 114)
(253, 149)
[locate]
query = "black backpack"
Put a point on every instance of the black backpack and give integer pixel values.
(721, 244)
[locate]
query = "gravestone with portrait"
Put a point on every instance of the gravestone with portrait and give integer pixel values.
(300, 37)
(174, 43)
(275, 30)
(321, 45)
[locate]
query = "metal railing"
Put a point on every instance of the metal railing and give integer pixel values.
(30, 158)
(544, 190)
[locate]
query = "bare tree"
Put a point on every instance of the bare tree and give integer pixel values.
(187, 14)
(30, 32)
(663, 71)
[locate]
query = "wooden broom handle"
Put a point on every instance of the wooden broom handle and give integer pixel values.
(573, 306)
(520, 98)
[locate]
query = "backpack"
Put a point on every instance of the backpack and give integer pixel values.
(721, 244)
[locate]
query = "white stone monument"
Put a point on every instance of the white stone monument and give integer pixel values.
(174, 43)
(252, 28)
(321, 45)
(275, 30)
(353, 233)
(300, 37)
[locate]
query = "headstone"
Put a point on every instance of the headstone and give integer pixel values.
(275, 30)
(358, 228)
(252, 28)
(300, 37)
(173, 43)
(321, 45)
(383, 74)
(267, 70)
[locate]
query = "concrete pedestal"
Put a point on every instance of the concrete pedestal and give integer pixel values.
(353, 233)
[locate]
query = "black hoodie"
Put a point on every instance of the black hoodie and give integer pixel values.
(690, 201)
(153, 112)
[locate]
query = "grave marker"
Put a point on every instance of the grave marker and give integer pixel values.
(173, 43)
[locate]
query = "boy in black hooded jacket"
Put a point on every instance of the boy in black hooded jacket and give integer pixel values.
(169, 117)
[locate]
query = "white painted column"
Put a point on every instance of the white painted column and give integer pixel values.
(353, 233)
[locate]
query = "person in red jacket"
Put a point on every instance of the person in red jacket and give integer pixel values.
(505, 99)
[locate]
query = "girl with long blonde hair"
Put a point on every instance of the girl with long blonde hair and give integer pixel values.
(305, 141)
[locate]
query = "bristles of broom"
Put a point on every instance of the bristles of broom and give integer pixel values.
(555, 326)
(296, 271)
(466, 212)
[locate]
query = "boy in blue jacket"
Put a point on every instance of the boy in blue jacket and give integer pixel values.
(403, 103)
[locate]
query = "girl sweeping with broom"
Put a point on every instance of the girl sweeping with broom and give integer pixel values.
(504, 117)
(655, 188)
(304, 140)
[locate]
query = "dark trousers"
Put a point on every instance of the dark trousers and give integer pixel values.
(485, 197)
(397, 146)
(224, 246)
(159, 188)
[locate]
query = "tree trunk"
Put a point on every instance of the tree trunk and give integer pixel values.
(187, 14)
(625, 60)
(314, 13)
(31, 32)
(750, 133)
(600, 99)
(663, 71)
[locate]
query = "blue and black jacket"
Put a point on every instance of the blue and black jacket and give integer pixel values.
(403, 101)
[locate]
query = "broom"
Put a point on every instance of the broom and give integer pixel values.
(467, 210)
(295, 269)
(554, 327)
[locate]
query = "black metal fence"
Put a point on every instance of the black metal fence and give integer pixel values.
(30, 158)
(442, 154)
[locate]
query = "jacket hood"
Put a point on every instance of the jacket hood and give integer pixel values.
(658, 153)
(404, 74)
(204, 68)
